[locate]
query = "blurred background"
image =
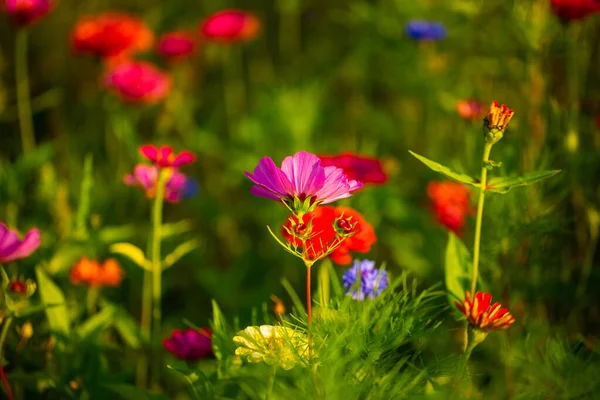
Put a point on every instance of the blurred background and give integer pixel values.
(325, 77)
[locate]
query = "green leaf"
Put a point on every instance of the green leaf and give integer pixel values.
(128, 329)
(32, 309)
(196, 379)
(54, 299)
(65, 256)
(176, 228)
(504, 184)
(96, 323)
(293, 295)
(458, 266)
(219, 324)
(133, 253)
(466, 179)
(179, 252)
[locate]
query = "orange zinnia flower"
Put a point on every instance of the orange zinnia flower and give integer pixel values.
(93, 273)
(324, 233)
(483, 316)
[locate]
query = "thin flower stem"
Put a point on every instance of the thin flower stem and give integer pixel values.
(3, 335)
(309, 310)
(271, 383)
(91, 300)
(23, 93)
(157, 267)
(476, 247)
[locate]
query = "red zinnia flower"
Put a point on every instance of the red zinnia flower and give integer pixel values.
(571, 10)
(165, 157)
(359, 168)
(138, 82)
(470, 109)
(231, 26)
(324, 233)
(483, 316)
(111, 35)
(451, 203)
(176, 45)
(25, 12)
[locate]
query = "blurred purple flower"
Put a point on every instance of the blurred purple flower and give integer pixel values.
(372, 280)
(11, 248)
(190, 344)
(301, 176)
(425, 30)
(25, 12)
(178, 187)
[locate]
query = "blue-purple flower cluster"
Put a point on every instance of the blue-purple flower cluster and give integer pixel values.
(372, 280)
(425, 30)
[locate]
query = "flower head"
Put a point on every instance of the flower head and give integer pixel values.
(425, 30)
(301, 178)
(177, 188)
(359, 168)
(190, 344)
(323, 235)
(11, 248)
(165, 157)
(176, 45)
(275, 345)
(483, 316)
(572, 10)
(111, 35)
(470, 109)
(26, 12)
(230, 26)
(95, 274)
(372, 280)
(451, 203)
(496, 121)
(138, 82)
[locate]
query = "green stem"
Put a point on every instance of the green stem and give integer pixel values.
(156, 266)
(476, 247)
(142, 367)
(91, 299)
(3, 335)
(309, 310)
(324, 283)
(271, 383)
(23, 92)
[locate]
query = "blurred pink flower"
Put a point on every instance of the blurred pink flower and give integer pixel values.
(190, 344)
(138, 82)
(25, 12)
(231, 26)
(178, 187)
(165, 157)
(11, 248)
(176, 45)
(470, 109)
(572, 10)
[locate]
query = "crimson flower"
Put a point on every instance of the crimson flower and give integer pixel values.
(138, 82)
(230, 26)
(25, 12)
(363, 169)
(482, 315)
(165, 157)
(190, 344)
(573, 10)
(11, 248)
(451, 203)
(176, 45)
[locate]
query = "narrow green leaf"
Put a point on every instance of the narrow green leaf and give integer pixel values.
(293, 295)
(179, 252)
(32, 309)
(466, 179)
(83, 210)
(128, 329)
(133, 253)
(504, 184)
(176, 228)
(458, 266)
(51, 295)
(96, 323)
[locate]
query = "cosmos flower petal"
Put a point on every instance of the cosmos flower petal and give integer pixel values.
(304, 171)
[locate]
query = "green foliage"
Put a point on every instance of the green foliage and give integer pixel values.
(458, 267)
(504, 184)
(54, 300)
(466, 179)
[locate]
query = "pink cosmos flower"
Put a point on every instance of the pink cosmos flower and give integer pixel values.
(25, 12)
(177, 188)
(11, 248)
(231, 26)
(176, 45)
(138, 82)
(190, 344)
(301, 176)
(165, 157)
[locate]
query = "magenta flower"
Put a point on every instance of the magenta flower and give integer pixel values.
(25, 12)
(190, 344)
(176, 45)
(11, 248)
(165, 157)
(138, 82)
(230, 26)
(301, 177)
(177, 188)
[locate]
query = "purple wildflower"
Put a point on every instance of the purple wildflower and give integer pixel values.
(11, 248)
(190, 344)
(372, 280)
(301, 176)
(178, 187)
(425, 30)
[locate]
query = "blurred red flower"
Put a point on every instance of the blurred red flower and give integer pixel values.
(93, 273)
(470, 109)
(572, 10)
(138, 82)
(25, 12)
(176, 45)
(323, 233)
(230, 26)
(359, 168)
(165, 156)
(111, 35)
(451, 203)
(482, 315)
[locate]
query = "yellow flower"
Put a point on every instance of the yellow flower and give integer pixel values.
(275, 345)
